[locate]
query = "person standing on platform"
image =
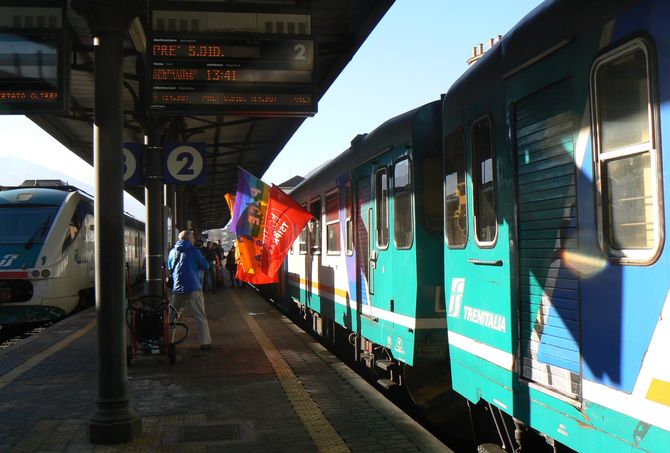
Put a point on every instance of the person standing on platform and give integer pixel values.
(231, 265)
(218, 274)
(210, 275)
(185, 262)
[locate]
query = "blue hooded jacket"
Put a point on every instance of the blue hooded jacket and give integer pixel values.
(185, 261)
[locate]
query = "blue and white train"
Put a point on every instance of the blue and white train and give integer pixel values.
(47, 251)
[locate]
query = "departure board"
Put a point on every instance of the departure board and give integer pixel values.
(215, 62)
(32, 59)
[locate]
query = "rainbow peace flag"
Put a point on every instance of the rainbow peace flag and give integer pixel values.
(266, 221)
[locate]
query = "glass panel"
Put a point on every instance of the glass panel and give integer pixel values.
(403, 230)
(630, 200)
(455, 194)
(431, 194)
(350, 226)
(333, 207)
(302, 239)
(623, 101)
(23, 225)
(333, 237)
(333, 222)
(382, 205)
(315, 226)
(484, 182)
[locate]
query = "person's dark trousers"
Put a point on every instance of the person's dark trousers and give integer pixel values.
(212, 276)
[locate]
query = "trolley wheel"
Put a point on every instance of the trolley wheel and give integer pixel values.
(129, 355)
(172, 353)
(490, 448)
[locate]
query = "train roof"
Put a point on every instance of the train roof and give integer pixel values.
(364, 147)
(33, 195)
(546, 28)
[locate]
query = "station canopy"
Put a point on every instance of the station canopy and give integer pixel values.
(249, 139)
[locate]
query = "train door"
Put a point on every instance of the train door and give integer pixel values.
(477, 267)
(364, 284)
(373, 232)
(548, 290)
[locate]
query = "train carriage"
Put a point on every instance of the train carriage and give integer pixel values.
(555, 267)
(47, 251)
(371, 261)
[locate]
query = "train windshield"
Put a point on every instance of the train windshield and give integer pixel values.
(25, 225)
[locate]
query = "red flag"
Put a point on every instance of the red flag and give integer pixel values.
(285, 221)
(260, 255)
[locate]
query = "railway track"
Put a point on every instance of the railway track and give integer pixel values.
(13, 335)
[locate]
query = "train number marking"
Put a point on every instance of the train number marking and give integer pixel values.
(301, 52)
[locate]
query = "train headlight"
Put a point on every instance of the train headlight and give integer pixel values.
(46, 273)
(36, 273)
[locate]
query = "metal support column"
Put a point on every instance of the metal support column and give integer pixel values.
(180, 218)
(153, 196)
(112, 420)
(171, 202)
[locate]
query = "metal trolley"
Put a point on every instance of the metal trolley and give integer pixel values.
(152, 324)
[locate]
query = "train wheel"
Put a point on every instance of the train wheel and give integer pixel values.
(172, 353)
(129, 355)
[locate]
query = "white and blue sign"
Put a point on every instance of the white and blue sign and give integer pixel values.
(185, 163)
(132, 164)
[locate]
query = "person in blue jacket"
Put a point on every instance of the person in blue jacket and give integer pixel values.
(185, 262)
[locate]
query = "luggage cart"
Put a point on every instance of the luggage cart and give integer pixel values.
(152, 324)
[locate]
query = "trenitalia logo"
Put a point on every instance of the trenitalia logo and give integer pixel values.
(8, 260)
(474, 315)
(456, 297)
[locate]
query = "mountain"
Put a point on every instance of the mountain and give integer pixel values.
(15, 171)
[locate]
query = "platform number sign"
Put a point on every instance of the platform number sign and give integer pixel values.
(185, 163)
(132, 168)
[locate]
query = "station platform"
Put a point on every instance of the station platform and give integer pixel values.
(265, 386)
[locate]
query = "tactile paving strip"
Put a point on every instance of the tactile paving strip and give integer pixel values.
(320, 430)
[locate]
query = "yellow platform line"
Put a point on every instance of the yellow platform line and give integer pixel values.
(9, 377)
(317, 425)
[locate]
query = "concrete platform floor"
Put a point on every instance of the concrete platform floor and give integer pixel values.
(265, 386)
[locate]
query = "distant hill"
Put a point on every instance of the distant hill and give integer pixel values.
(15, 171)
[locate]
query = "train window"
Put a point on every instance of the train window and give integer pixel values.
(403, 226)
(333, 223)
(431, 199)
(349, 216)
(25, 224)
(455, 193)
(484, 184)
(302, 239)
(382, 207)
(72, 230)
(627, 157)
(315, 226)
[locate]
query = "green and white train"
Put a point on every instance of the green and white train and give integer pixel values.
(510, 237)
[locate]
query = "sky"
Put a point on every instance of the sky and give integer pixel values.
(418, 49)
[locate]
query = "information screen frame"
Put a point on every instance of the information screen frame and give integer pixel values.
(248, 72)
(27, 95)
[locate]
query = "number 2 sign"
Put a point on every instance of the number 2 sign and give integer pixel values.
(185, 163)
